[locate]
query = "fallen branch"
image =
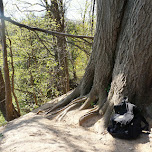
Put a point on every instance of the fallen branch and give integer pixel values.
(43, 30)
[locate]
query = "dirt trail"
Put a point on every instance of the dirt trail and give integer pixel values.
(36, 133)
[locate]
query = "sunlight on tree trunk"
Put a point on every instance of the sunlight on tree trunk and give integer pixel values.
(10, 114)
(120, 63)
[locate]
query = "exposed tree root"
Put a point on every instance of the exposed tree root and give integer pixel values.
(91, 99)
(89, 114)
(64, 112)
(65, 109)
(59, 114)
(66, 105)
(66, 101)
(104, 108)
(87, 103)
(107, 114)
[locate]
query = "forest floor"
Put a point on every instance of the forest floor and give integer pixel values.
(37, 133)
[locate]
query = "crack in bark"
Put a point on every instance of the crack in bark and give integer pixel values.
(119, 31)
(120, 57)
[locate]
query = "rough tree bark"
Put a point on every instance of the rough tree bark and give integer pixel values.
(8, 97)
(121, 59)
(2, 95)
(2, 100)
(10, 111)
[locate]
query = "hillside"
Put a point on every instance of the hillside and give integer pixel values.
(36, 133)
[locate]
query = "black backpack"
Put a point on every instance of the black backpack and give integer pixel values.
(126, 123)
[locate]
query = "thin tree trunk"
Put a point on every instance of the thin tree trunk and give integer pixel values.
(8, 96)
(2, 95)
(84, 14)
(61, 46)
(92, 17)
(11, 113)
(2, 99)
(56, 11)
(32, 79)
(32, 83)
(12, 64)
(63, 64)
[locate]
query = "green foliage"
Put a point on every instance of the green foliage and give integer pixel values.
(2, 121)
(32, 63)
(79, 49)
(35, 64)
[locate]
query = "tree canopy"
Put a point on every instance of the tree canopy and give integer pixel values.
(36, 66)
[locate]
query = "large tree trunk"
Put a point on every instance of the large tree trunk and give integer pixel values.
(121, 58)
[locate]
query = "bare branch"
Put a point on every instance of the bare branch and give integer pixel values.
(43, 43)
(33, 4)
(25, 10)
(85, 51)
(45, 31)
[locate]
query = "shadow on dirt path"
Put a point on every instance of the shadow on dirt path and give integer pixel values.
(36, 133)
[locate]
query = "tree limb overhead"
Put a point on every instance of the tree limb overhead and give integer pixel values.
(43, 30)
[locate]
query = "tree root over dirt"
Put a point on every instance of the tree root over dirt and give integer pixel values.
(113, 62)
(63, 111)
(105, 68)
(89, 114)
(58, 111)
